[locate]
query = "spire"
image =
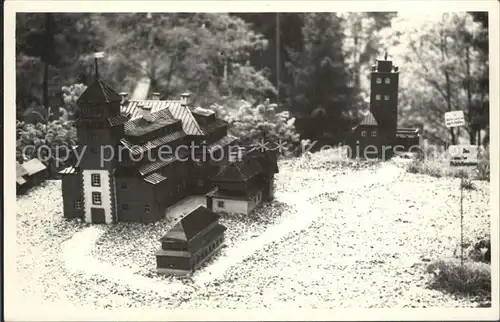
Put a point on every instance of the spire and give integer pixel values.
(385, 56)
(97, 55)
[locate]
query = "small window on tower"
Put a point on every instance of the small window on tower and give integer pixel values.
(374, 133)
(363, 133)
(124, 206)
(78, 204)
(147, 208)
(379, 80)
(96, 198)
(387, 80)
(386, 97)
(96, 180)
(377, 97)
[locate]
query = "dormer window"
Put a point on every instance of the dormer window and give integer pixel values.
(379, 80)
(387, 80)
(377, 97)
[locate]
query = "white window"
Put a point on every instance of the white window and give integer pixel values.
(78, 204)
(96, 180)
(377, 97)
(374, 133)
(220, 203)
(96, 198)
(363, 133)
(387, 80)
(386, 97)
(379, 80)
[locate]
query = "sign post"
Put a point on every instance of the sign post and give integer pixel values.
(456, 119)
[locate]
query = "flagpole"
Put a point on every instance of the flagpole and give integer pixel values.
(96, 66)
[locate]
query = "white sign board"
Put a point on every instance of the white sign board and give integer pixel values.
(454, 118)
(463, 154)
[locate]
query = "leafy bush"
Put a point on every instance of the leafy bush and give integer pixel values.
(467, 184)
(472, 278)
(439, 169)
(70, 95)
(483, 166)
(50, 142)
(262, 122)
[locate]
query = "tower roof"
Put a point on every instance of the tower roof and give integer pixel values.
(369, 119)
(99, 93)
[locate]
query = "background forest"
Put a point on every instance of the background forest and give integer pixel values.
(289, 75)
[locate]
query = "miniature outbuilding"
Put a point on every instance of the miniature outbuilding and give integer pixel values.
(190, 242)
(30, 174)
(243, 184)
(21, 172)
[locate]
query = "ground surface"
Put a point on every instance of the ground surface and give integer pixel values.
(339, 236)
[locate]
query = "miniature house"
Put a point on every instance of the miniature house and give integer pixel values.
(135, 161)
(193, 240)
(30, 174)
(378, 128)
(21, 172)
(243, 184)
(366, 134)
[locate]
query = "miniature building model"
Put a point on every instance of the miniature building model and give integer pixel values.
(29, 174)
(190, 242)
(133, 164)
(379, 127)
(243, 184)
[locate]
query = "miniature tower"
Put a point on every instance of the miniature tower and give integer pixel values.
(384, 99)
(99, 129)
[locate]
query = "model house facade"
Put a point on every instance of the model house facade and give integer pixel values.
(379, 128)
(192, 240)
(136, 156)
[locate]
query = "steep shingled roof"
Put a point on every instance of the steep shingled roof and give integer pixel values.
(369, 119)
(239, 171)
(98, 93)
(191, 225)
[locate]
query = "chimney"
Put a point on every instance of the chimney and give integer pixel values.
(146, 112)
(124, 96)
(155, 96)
(185, 98)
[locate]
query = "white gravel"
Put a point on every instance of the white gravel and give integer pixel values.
(357, 242)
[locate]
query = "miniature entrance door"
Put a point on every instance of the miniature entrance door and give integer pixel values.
(97, 215)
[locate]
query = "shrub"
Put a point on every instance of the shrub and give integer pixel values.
(481, 250)
(472, 278)
(71, 95)
(262, 122)
(467, 185)
(483, 166)
(58, 136)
